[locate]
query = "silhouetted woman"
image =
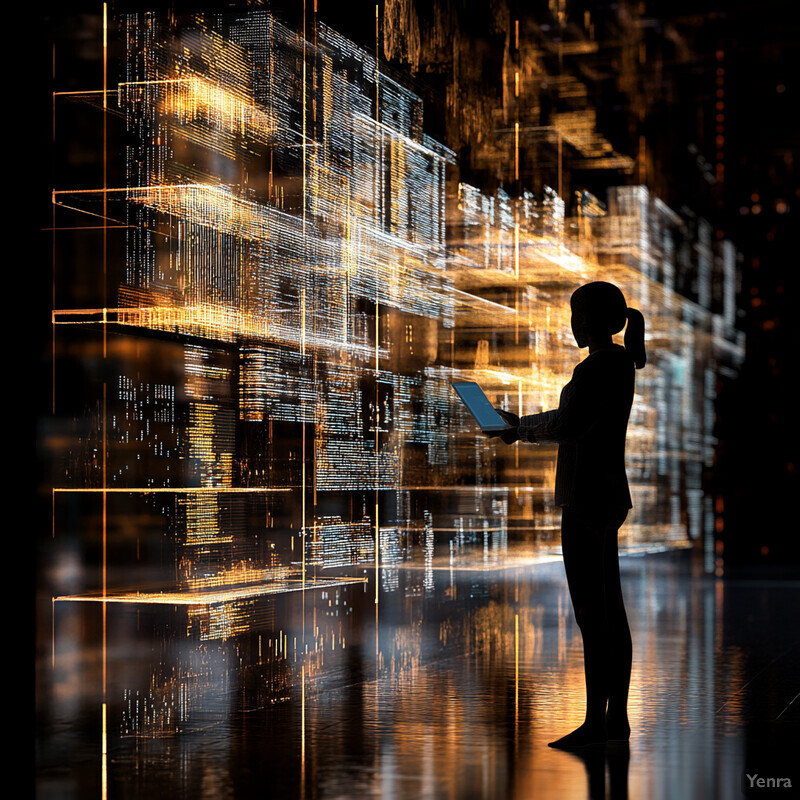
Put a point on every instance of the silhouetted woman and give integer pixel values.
(589, 427)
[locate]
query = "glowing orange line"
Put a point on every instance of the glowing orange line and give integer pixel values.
(160, 81)
(105, 386)
(516, 663)
(377, 454)
(78, 93)
(138, 189)
(303, 186)
(85, 227)
(303, 502)
(84, 211)
(104, 755)
(53, 301)
(105, 186)
(193, 489)
(377, 69)
(283, 586)
(303, 731)
(560, 192)
(105, 537)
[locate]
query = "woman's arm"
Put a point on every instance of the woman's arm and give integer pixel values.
(533, 424)
(578, 410)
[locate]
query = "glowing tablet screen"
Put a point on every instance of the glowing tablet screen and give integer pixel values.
(479, 406)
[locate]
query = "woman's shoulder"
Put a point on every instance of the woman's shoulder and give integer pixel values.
(615, 358)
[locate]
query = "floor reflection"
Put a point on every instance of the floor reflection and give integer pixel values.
(450, 687)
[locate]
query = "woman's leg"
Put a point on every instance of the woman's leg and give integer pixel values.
(591, 562)
(620, 651)
(582, 544)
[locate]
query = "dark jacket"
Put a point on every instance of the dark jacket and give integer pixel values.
(589, 427)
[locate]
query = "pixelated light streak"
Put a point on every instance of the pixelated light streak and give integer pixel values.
(204, 598)
(194, 97)
(222, 323)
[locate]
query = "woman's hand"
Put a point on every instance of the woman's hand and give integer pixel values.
(510, 435)
(508, 416)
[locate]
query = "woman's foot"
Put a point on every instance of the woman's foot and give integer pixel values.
(584, 736)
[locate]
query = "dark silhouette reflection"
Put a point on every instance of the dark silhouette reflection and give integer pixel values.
(595, 759)
(590, 426)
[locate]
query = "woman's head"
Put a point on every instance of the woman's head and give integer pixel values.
(599, 308)
(599, 311)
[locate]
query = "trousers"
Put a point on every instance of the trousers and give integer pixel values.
(591, 562)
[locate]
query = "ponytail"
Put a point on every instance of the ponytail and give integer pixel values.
(634, 337)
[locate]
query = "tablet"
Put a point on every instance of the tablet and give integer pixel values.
(478, 405)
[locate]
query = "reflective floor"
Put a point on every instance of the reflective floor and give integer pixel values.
(449, 687)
